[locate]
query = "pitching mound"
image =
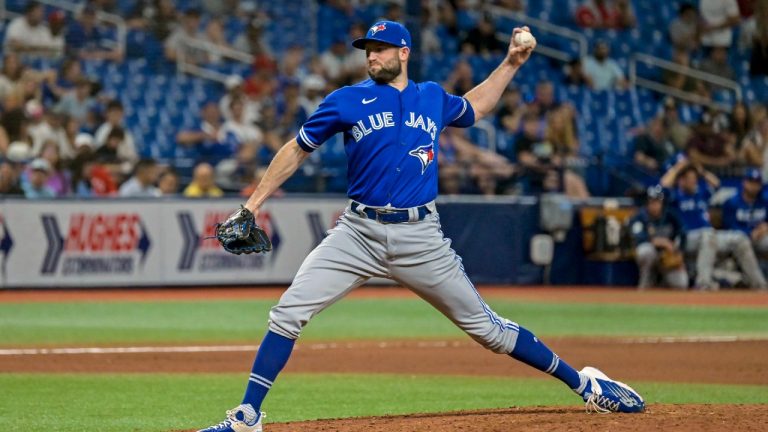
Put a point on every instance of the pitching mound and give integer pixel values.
(697, 418)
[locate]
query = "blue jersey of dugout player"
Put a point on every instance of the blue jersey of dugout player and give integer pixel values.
(390, 227)
(747, 210)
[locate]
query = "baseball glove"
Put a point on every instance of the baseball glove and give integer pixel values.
(239, 234)
(669, 261)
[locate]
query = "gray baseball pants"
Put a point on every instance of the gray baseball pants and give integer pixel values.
(706, 243)
(414, 254)
(647, 258)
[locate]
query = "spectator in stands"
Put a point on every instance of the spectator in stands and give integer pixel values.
(292, 114)
(203, 184)
(758, 64)
(253, 40)
(236, 90)
(560, 132)
(205, 137)
(719, 17)
(511, 110)
(77, 102)
(605, 14)
(51, 129)
(461, 80)
(656, 231)
(16, 124)
(313, 91)
(717, 64)
(59, 179)
(690, 198)
(86, 39)
(544, 100)
(168, 182)
(754, 147)
(739, 122)
(334, 59)
(653, 147)
(157, 16)
(684, 31)
(9, 179)
(189, 30)
(57, 84)
(10, 75)
(542, 168)
(214, 33)
(89, 179)
(682, 81)
(109, 152)
(29, 35)
(142, 183)
(57, 25)
(710, 146)
(11, 167)
(482, 39)
(574, 74)
(679, 133)
(747, 211)
(463, 161)
(237, 131)
(603, 72)
(115, 118)
(35, 187)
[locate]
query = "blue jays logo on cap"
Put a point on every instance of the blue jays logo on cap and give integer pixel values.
(389, 32)
(377, 28)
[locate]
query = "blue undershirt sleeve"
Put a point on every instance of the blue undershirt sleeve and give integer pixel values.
(457, 111)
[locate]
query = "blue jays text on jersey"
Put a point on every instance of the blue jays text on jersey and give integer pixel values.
(693, 209)
(390, 138)
(740, 215)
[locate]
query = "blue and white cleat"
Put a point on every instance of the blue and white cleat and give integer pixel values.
(240, 419)
(606, 395)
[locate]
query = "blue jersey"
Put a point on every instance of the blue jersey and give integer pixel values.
(390, 137)
(693, 209)
(743, 216)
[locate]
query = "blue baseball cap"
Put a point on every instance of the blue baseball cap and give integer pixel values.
(753, 174)
(389, 32)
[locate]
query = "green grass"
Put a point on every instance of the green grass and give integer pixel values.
(245, 320)
(159, 402)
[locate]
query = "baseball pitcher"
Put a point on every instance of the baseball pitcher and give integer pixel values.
(391, 227)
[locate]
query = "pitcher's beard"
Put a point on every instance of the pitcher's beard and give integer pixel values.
(385, 74)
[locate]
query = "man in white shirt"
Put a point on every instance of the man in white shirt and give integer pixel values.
(719, 16)
(603, 72)
(29, 35)
(142, 184)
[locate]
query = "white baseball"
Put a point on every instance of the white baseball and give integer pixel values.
(524, 38)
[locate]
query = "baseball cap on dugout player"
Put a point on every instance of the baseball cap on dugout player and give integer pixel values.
(389, 32)
(753, 174)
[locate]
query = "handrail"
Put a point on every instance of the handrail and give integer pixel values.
(115, 20)
(547, 27)
(685, 70)
(182, 65)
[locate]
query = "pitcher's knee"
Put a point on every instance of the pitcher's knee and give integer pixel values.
(499, 338)
(285, 323)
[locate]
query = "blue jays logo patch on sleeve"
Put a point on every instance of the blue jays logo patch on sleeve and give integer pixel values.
(425, 154)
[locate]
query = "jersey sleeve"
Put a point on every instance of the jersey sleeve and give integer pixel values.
(324, 123)
(457, 111)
